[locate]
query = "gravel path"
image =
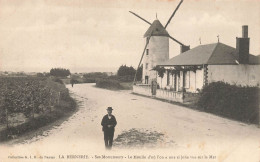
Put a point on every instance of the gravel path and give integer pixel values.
(145, 127)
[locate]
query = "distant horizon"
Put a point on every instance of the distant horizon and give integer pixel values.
(73, 70)
(85, 69)
(93, 36)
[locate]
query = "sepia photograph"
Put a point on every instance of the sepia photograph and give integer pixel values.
(129, 80)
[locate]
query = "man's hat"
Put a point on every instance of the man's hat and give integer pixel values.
(109, 108)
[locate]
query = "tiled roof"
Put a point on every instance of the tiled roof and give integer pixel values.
(211, 54)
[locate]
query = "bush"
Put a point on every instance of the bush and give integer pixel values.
(108, 84)
(126, 78)
(236, 102)
(58, 80)
(89, 80)
(94, 76)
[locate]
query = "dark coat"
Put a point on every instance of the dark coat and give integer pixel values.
(106, 121)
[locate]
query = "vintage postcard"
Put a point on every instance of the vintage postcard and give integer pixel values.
(129, 80)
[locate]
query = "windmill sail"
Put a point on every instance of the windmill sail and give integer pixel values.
(173, 14)
(140, 17)
(176, 40)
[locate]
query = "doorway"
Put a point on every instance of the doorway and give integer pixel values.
(146, 79)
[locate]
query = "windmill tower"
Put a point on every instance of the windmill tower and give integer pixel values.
(157, 47)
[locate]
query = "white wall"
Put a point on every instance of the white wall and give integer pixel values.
(199, 78)
(158, 52)
(144, 90)
(196, 80)
(235, 74)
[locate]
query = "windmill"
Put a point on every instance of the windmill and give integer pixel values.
(157, 46)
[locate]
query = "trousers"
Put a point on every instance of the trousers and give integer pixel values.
(108, 138)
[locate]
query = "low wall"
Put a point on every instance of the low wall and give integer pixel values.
(161, 94)
(142, 89)
(169, 95)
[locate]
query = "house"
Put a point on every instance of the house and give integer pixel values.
(191, 70)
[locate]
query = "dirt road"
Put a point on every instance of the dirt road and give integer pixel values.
(167, 130)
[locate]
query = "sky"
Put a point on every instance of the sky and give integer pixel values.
(101, 35)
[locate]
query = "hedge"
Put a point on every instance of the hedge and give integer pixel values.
(232, 101)
(108, 84)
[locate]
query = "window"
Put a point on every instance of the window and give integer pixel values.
(147, 51)
(146, 66)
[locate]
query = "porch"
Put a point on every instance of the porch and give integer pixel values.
(182, 78)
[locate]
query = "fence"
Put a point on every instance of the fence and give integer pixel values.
(161, 94)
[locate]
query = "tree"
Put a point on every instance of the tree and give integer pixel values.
(125, 73)
(60, 72)
(125, 70)
(139, 73)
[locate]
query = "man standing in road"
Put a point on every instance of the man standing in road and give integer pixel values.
(109, 123)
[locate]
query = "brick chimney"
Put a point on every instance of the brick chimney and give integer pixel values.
(184, 48)
(242, 46)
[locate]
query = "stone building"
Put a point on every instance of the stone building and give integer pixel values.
(156, 51)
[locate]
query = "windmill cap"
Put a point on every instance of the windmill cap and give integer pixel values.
(109, 108)
(156, 29)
